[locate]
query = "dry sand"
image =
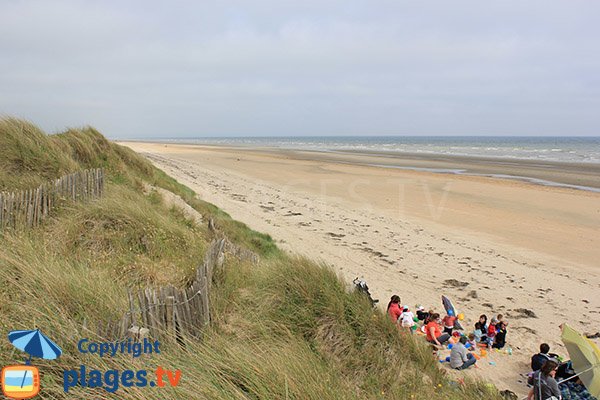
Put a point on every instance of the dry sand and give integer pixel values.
(492, 245)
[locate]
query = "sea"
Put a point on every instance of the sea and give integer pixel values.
(559, 149)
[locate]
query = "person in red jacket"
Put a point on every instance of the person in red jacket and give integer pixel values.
(491, 333)
(448, 322)
(393, 309)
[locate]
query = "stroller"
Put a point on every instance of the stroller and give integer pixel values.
(361, 286)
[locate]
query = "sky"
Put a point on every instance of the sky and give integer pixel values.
(160, 69)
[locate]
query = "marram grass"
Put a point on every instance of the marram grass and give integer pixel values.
(287, 328)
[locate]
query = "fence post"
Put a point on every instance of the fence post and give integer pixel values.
(10, 213)
(187, 318)
(143, 309)
(152, 310)
(1, 210)
(132, 311)
(159, 310)
(101, 181)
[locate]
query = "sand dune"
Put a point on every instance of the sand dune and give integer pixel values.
(494, 246)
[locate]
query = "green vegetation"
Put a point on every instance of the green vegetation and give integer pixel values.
(285, 329)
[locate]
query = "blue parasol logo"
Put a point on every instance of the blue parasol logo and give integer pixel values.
(35, 343)
(23, 381)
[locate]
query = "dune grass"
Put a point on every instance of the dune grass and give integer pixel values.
(284, 329)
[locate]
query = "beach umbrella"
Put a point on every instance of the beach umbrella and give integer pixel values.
(35, 344)
(585, 358)
(450, 310)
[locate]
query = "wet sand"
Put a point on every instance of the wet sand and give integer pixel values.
(584, 176)
(492, 245)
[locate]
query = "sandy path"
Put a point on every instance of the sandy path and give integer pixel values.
(423, 249)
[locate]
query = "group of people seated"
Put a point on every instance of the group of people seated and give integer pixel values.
(546, 367)
(439, 331)
(543, 377)
(552, 379)
(494, 334)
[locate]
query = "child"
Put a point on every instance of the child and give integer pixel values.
(422, 315)
(500, 340)
(477, 335)
(449, 321)
(491, 332)
(472, 341)
(406, 319)
(500, 319)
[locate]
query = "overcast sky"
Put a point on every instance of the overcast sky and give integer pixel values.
(309, 67)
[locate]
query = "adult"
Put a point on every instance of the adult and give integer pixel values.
(545, 386)
(537, 360)
(393, 309)
(434, 331)
(460, 358)
(481, 328)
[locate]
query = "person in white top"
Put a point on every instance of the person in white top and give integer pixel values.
(406, 319)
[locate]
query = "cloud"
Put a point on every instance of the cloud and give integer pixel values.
(186, 68)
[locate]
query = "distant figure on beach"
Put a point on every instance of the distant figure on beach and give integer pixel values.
(544, 385)
(481, 329)
(393, 308)
(500, 340)
(537, 360)
(434, 331)
(407, 319)
(500, 318)
(460, 358)
(449, 321)
(491, 332)
(422, 315)
(472, 341)
(362, 287)
(429, 317)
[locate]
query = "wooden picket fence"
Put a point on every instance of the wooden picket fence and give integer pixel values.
(27, 208)
(169, 312)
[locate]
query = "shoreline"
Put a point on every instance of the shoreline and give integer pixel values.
(579, 176)
(560, 174)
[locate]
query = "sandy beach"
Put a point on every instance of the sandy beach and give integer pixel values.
(492, 245)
